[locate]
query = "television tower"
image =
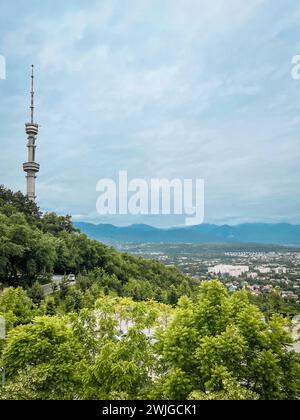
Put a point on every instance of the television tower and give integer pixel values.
(31, 167)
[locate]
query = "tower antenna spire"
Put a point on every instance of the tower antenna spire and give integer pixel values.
(32, 94)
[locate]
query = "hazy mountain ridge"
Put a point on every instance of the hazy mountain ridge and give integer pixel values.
(261, 233)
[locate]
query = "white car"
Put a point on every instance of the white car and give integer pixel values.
(71, 277)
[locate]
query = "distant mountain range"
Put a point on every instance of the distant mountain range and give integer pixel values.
(260, 233)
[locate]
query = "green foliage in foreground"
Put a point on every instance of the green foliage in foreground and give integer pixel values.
(217, 347)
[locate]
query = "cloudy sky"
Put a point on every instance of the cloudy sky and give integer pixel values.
(172, 88)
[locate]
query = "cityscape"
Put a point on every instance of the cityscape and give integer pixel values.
(256, 268)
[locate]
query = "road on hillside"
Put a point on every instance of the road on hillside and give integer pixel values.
(48, 288)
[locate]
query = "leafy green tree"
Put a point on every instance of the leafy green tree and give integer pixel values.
(138, 289)
(63, 288)
(172, 295)
(74, 300)
(54, 224)
(25, 251)
(145, 314)
(177, 344)
(174, 385)
(223, 338)
(16, 307)
(125, 308)
(85, 329)
(23, 387)
(92, 294)
(54, 356)
(111, 283)
(122, 367)
(36, 293)
(232, 390)
(50, 306)
(106, 313)
(165, 314)
(11, 202)
(272, 303)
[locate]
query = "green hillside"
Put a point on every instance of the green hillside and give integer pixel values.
(33, 246)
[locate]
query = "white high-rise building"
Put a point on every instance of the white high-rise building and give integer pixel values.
(231, 270)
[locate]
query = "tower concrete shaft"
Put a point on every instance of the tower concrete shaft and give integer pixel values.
(31, 167)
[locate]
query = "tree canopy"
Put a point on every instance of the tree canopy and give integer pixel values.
(219, 346)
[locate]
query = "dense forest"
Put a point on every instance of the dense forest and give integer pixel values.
(128, 328)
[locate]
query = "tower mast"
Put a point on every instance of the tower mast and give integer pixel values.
(32, 93)
(31, 167)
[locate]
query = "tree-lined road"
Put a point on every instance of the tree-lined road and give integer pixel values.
(48, 288)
